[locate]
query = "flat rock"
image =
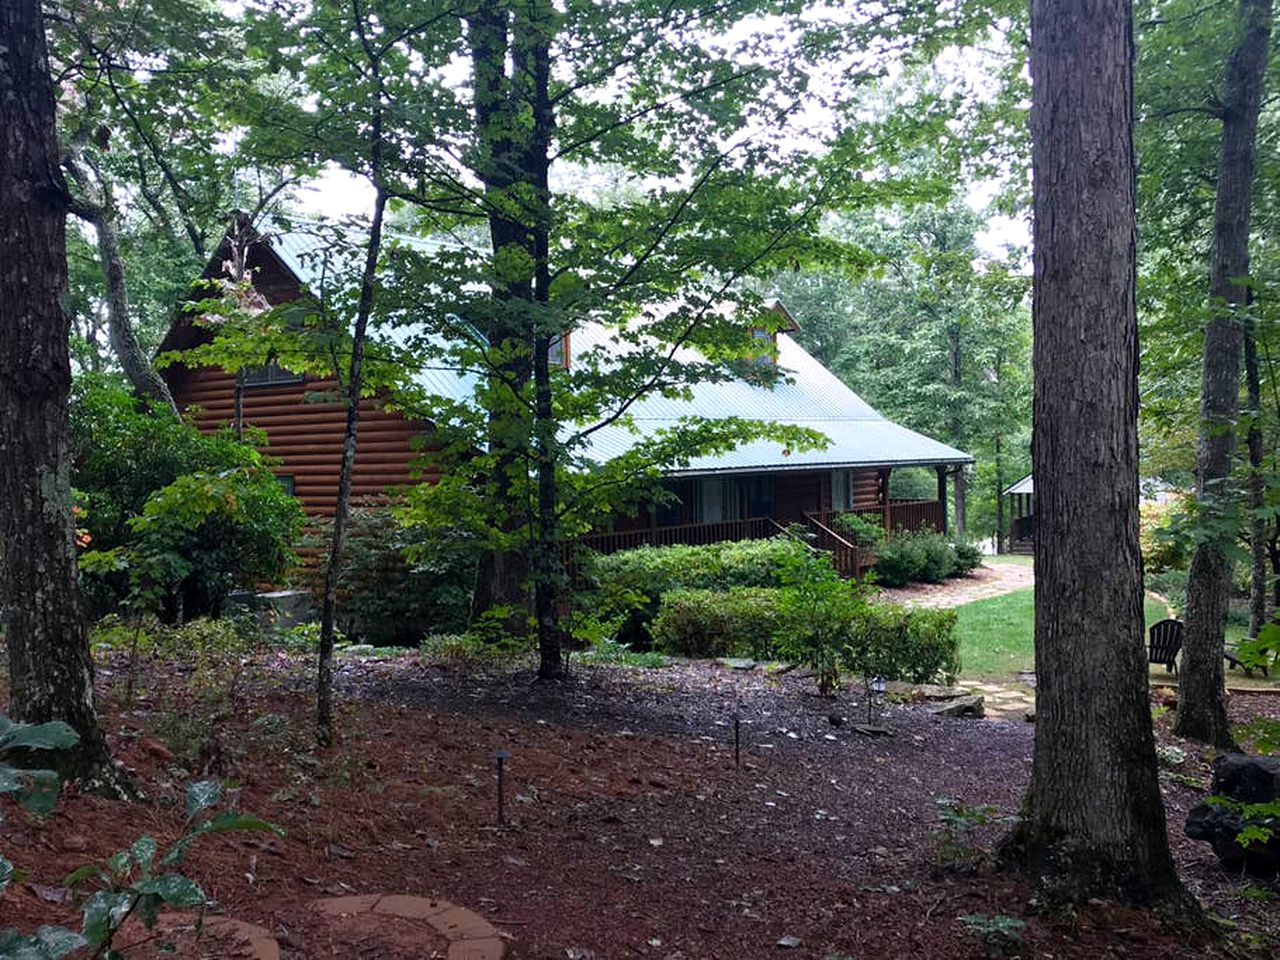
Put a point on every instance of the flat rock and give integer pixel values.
(970, 706)
(933, 691)
(737, 663)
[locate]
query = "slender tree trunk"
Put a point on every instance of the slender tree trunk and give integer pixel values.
(1202, 710)
(50, 668)
(1257, 486)
(355, 387)
(999, 495)
(1094, 822)
(97, 207)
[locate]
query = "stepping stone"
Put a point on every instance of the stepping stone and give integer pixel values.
(960, 707)
(469, 935)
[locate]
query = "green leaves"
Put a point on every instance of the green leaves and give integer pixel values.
(201, 796)
(41, 736)
(49, 943)
(37, 790)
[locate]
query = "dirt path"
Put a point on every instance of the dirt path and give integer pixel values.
(994, 578)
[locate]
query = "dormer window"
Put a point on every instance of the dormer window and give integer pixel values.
(766, 345)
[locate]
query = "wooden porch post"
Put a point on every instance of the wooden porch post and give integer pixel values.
(885, 506)
(942, 495)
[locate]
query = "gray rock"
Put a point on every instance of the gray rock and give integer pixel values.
(932, 691)
(960, 707)
(737, 663)
(1243, 779)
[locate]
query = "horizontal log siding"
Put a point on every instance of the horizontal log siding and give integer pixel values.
(866, 488)
(795, 494)
(307, 437)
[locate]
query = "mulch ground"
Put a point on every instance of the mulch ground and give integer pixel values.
(630, 832)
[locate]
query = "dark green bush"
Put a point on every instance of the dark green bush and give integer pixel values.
(923, 557)
(939, 557)
(899, 561)
(740, 621)
(630, 585)
(968, 556)
(387, 599)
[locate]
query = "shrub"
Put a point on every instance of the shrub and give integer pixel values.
(923, 557)
(175, 518)
(823, 624)
(632, 583)
(819, 614)
(896, 642)
(968, 556)
(740, 621)
(899, 561)
(863, 531)
(398, 584)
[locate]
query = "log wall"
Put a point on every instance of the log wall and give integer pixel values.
(307, 436)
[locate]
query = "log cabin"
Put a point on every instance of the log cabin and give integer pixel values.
(754, 491)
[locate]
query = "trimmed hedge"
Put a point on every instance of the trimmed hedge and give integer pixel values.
(886, 639)
(631, 584)
(741, 621)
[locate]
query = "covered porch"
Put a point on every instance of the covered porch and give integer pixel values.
(748, 506)
(1021, 499)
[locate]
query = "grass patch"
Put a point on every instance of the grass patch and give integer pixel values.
(997, 635)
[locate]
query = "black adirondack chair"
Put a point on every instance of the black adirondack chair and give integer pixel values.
(1165, 640)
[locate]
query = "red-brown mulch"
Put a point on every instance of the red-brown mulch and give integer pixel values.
(631, 832)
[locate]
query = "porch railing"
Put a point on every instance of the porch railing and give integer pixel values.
(908, 515)
(849, 560)
(690, 534)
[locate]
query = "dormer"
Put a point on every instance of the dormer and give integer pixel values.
(766, 333)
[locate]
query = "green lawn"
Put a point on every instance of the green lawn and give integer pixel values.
(996, 635)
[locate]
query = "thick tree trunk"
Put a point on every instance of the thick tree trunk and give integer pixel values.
(500, 162)
(547, 564)
(1202, 711)
(1257, 486)
(97, 207)
(1094, 822)
(50, 669)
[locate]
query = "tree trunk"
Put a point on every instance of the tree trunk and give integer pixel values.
(1202, 711)
(1094, 822)
(97, 207)
(355, 386)
(999, 495)
(547, 561)
(50, 668)
(502, 573)
(1257, 486)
